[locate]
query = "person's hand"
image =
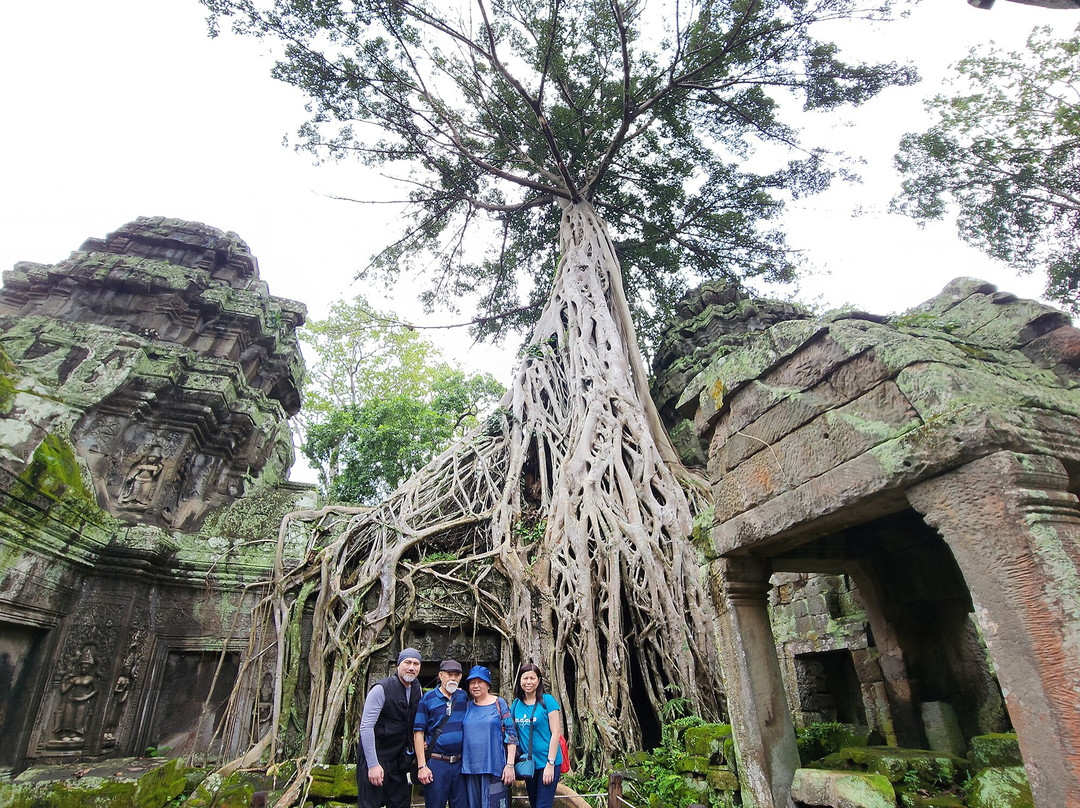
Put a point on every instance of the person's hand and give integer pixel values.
(375, 775)
(425, 775)
(549, 774)
(508, 774)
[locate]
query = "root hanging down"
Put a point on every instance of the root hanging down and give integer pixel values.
(563, 526)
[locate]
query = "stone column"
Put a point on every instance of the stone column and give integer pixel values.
(760, 718)
(1014, 529)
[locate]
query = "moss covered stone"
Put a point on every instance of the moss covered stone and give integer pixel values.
(995, 749)
(707, 741)
(693, 764)
(721, 778)
(840, 788)
(122, 783)
(337, 781)
(1005, 787)
(931, 768)
(234, 791)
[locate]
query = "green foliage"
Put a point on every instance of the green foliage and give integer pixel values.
(493, 114)
(587, 786)
(380, 403)
(1004, 157)
(659, 781)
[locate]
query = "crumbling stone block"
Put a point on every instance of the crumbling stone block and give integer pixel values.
(1005, 787)
(708, 741)
(842, 789)
(942, 728)
(995, 749)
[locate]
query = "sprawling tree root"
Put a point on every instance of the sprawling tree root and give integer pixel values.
(569, 517)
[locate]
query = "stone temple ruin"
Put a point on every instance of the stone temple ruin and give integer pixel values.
(145, 392)
(895, 537)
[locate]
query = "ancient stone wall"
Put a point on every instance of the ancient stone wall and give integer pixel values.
(929, 461)
(145, 387)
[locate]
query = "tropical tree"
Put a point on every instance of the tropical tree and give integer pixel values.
(380, 402)
(623, 134)
(1003, 157)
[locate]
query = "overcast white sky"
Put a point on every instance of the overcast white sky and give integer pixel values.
(114, 109)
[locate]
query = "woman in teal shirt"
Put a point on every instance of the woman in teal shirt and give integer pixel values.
(536, 715)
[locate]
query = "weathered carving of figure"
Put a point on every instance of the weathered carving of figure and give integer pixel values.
(78, 689)
(121, 693)
(141, 480)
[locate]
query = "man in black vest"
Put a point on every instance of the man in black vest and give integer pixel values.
(382, 767)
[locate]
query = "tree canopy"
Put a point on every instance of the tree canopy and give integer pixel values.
(380, 402)
(491, 111)
(1003, 157)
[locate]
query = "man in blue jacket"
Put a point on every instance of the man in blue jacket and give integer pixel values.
(382, 762)
(437, 739)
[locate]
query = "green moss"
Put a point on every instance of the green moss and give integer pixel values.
(7, 382)
(693, 764)
(722, 779)
(995, 749)
(333, 781)
(928, 769)
(1000, 788)
(869, 791)
(152, 788)
(707, 740)
(55, 471)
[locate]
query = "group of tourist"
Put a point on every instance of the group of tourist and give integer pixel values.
(467, 749)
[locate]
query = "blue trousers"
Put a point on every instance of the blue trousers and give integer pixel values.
(541, 796)
(446, 785)
(486, 791)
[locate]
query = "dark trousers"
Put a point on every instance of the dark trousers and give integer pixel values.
(446, 785)
(395, 792)
(541, 796)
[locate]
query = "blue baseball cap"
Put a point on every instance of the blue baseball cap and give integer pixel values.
(479, 672)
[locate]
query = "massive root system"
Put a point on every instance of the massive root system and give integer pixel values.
(563, 526)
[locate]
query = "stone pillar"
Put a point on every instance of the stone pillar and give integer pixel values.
(1014, 529)
(760, 718)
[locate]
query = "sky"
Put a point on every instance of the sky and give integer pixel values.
(115, 109)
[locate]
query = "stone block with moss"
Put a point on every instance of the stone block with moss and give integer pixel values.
(693, 764)
(1005, 787)
(707, 740)
(842, 789)
(119, 783)
(234, 791)
(338, 781)
(721, 778)
(995, 749)
(929, 769)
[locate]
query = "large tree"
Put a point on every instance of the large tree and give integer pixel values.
(1003, 157)
(595, 135)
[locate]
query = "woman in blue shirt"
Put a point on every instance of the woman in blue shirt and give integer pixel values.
(536, 715)
(489, 744)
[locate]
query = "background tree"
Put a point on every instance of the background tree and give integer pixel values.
(1003, 156)
(380, 402)
(626, 131)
